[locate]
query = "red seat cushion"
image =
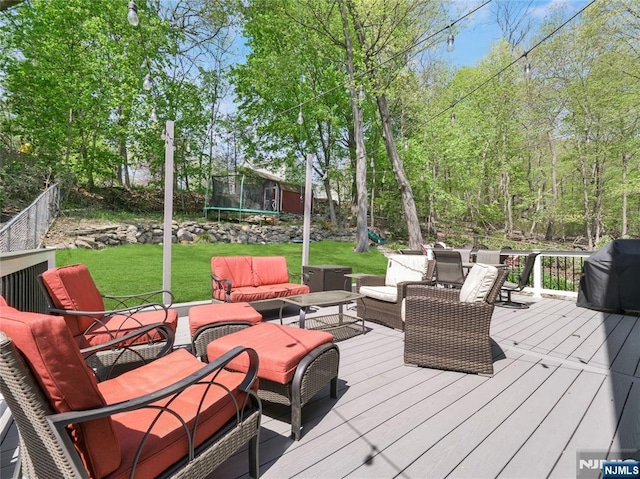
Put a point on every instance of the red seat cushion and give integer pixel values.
(236, 268)
(118, 325)
(280, 348)
(207, 314)
(246, 294)
(286, 289)
(72, 287)
(49, 349)
(167, 442)
(269, 270)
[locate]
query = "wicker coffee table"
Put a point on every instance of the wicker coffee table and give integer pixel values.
(340, 324)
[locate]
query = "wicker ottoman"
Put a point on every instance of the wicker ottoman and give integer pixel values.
(294, 364)
(211, 321)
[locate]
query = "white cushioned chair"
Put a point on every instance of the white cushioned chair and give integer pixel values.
(384, 294)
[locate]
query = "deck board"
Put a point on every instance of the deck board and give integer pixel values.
(538, 454)
(552, 395)
(566, 380)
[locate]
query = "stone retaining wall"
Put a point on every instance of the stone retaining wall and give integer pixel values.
(193, 232)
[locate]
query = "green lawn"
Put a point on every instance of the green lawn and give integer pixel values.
(138, 268)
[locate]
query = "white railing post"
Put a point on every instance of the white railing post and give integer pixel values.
(537, 276)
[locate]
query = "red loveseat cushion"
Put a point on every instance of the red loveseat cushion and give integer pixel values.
(207, 314)
(236, 268)
(167, 442)
(72, 287)
(248, 294)
(285, 289)
(49, 349)
(269, 270)
(280, 348)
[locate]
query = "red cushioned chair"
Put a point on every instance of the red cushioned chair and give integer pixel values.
(173, 417)
(72, 293)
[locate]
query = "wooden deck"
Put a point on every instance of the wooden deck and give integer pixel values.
(567, 381)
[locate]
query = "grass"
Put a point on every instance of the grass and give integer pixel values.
(138, 268)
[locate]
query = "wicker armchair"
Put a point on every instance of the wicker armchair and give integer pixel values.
(71, 293)
(174, 417)
(443, 332)
(384, 295)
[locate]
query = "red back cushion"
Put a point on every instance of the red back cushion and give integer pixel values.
(72, 287)
(269, 270)
(48, 348)
(236, 268)
(3, 302)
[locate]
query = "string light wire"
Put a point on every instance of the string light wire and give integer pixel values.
(499, 72)
(392, 57)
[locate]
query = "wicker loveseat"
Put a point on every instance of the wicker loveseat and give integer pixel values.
(384, 295)
(174, 417)
(257, 280)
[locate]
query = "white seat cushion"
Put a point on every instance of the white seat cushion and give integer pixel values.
(403, 267)
(478, 283)
(383, 293)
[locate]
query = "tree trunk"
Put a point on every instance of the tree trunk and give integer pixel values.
(625, 165)
(554, 189)
(408, 202)
(362, 234)
(585, 196)
(332, 209)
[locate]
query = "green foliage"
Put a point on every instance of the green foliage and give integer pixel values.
(557, 283)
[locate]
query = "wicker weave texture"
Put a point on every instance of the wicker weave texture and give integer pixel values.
(211, 333)
(43, 457)
(448, 335)
(444, 333)
(212, 457)
(320, 370)
(319, 373)
(143, 353)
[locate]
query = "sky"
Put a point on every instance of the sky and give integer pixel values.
(476, 36)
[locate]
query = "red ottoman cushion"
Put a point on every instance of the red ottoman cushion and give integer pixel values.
(220, 313)
(280, 348)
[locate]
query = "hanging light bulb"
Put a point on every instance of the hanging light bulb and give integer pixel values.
(154, 116)
(450, 42)
(188, 148)
(255, 134)
(586, 135)
(300, 117)
(147, 83)
(453, 117)
(132, 16)
(527, 68)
